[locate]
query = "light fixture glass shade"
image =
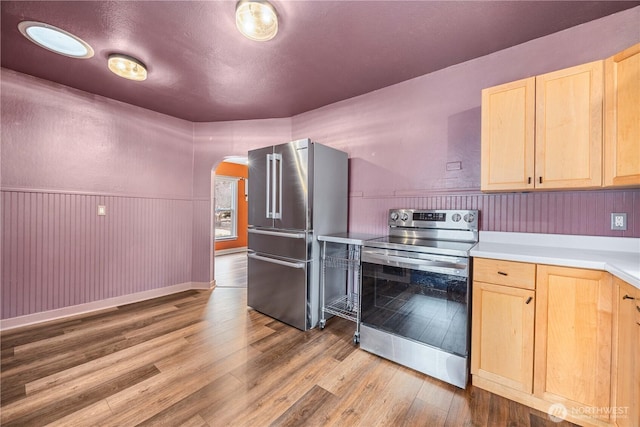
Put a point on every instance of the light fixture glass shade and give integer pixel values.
(127, 67)
(256, 20)
(55, 39)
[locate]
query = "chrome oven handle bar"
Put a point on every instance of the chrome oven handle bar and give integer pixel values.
(443, 267)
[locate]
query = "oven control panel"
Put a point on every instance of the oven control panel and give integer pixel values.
(434, 218)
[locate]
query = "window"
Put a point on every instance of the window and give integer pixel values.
(226, 207)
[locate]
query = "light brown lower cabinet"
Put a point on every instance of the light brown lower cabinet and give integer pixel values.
(574, 324)
(502, 323)
(627, 361)
(575, 358)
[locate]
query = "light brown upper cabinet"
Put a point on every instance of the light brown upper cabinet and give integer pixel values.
(508, 129)
(622, 118)
(544, 132)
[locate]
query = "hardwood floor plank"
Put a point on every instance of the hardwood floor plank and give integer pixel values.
(86, 416)
(195, 421)
(75, 400)
(205, 359)
(519, 415)
(498, 410)
(12, 392)
(421, 414)
(272, 384)
(108, 366)
(33, 367)
(173, 385)
(439, 394)
(355, 404)
(216, 393)
(459, 414)
(281, 395)
(352, 370)
(79, 337)
(163, 300)
(304, 408)
(394, 399)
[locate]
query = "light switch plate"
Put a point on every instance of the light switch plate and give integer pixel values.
(618, 221)
(102, 210)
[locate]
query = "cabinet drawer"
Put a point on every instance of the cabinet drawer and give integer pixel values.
(508, 273)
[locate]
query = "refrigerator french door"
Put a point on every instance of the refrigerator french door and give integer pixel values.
(296, 191)
(279, 185)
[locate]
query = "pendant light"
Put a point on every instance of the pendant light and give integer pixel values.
(256, 20)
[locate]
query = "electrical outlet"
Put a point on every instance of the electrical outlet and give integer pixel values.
(618, 221)
(102, 210)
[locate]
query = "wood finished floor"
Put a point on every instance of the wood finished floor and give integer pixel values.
(231, 270)
(202, 358)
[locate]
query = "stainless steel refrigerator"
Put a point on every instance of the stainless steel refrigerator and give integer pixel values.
(297, 191)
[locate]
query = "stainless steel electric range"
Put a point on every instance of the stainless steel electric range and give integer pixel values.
(415, 292)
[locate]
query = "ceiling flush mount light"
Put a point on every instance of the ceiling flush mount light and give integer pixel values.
(256, 20)
(55, 39)
(127, 67)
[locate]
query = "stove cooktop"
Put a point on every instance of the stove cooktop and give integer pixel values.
(428, 246)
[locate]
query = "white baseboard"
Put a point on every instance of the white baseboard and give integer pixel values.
(46, 316)
(230, 251)
(203, 285)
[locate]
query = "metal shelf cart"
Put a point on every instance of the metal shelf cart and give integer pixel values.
(340, 255)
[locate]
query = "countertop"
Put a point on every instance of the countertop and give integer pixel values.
(619, 256)
(348, 238)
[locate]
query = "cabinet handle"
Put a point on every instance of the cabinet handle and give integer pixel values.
(638, 307)
(627, 297)
(502, 273)
(540, 179)
(529, 181)
(529, 300)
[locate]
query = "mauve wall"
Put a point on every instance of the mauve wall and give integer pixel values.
(64, 152)
(401, 138)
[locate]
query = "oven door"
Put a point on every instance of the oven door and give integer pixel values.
(421, 297)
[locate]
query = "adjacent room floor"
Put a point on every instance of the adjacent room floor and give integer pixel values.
(203, 358)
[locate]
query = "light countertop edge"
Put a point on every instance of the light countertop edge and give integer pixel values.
(348, 238)
(619, 256)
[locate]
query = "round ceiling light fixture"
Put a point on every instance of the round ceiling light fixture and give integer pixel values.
(127, 67)
(55, 39)
(256, 20)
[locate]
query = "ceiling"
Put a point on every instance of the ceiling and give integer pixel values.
(203, 70)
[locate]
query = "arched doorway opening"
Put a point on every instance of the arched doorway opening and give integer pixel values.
(229, 221)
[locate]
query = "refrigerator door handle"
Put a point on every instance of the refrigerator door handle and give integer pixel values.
(277, 178)
(277, 233)
(268, 198)
(277, 261)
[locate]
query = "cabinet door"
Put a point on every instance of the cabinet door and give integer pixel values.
(627, 370)
(508, 117)
(502, 335)
(569, 128)
(573, 337)
(622, 119)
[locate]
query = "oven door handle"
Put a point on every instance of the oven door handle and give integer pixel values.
(442, 267)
